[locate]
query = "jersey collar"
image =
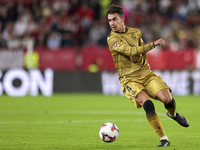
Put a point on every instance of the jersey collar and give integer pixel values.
(122, 32)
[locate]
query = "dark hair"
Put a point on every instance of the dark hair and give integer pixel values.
(115, 9)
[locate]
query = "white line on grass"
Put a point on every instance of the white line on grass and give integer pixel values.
(77, 121)
(78, 112)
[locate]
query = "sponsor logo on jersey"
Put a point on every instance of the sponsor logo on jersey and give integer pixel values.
(116, 45)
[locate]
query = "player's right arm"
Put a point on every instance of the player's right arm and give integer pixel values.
(121, 46)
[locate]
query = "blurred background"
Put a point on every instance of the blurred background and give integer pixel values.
(62, 44)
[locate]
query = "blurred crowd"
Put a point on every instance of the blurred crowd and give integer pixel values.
(64, 23)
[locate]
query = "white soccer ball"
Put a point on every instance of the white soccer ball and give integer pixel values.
(108, 132)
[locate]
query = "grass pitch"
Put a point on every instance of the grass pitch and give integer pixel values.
(72, 122)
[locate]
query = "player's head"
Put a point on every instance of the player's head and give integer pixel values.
(116, 17)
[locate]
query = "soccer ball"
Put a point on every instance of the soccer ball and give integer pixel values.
(109, 132)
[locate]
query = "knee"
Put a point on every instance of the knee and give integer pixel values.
(142, 97)
(164, 96)
(140, 101)
(166, 99)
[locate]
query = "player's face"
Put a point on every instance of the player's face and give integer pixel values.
(116, 22)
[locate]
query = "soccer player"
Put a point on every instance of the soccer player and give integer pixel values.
(138, 82)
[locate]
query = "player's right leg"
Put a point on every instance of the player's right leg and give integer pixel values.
(144, 100)
(170, 104)
(158, 89)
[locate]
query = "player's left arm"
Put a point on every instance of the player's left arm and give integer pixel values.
(160, 42)
(123, 47)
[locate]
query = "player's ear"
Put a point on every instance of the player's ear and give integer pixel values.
(123, 18)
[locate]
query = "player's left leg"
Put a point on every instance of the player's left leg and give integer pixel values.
(170, 104)
(144, 100)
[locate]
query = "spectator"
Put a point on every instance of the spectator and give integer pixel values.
(7, 31)
(3, 18)
(14, 42)
(2, 41)
(11, 9)
(41, 40)
(36, 11)
(74, 8)
(20, 26)
(80, 21)
(97, 8)
(86, 15)
(54, 40)
(99, 32)
(28, 40)
(46, 8)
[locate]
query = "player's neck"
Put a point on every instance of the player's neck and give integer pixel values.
(123, 29)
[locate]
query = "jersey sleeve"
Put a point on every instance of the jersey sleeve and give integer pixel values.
(141, 43)
(121, 46)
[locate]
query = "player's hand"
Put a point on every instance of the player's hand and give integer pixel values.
(160, 42)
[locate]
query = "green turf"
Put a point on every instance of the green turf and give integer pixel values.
(72, 122)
